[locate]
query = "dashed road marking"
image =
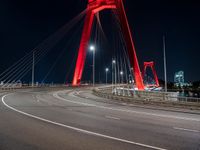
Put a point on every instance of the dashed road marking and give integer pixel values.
(189, 130)
(110, 117)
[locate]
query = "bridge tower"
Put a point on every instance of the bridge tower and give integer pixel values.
(93, 7)
(152, 66)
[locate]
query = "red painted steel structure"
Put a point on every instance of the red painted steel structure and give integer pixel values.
(152, 66)
(95, 6)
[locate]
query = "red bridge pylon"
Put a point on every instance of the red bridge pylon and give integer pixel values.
(95, 6)
(152, 66)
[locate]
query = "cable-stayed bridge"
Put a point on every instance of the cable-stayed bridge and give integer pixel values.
(116, 112)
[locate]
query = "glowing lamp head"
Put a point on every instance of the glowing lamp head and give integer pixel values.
(92, 48)
(107, 69)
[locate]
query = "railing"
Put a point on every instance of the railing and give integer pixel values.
(10, 87)
(154, 95)
(128, 92)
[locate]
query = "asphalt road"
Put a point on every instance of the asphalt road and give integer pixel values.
(74, 119)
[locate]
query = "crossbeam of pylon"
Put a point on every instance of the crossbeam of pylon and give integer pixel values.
(152, 66)
(95, 6)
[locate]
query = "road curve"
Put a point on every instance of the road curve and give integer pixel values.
(74, 119)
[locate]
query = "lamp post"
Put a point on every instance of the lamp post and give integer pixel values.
(122, 78)
(92, 49)
(114, 75)
(33, 69)
(107, 69)
(165, 63)
(121, 74)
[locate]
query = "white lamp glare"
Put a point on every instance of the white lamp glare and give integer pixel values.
(92, 48)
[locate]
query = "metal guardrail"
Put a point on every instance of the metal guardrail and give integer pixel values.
(13, 87)
(156, 95)
(147, 95)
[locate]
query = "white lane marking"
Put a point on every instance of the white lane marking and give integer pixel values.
(75, 102)
(78, 129)
(124, 103)
(189, 130)
(39, 98)
(110, 117)
(77, 92)
(125, 110)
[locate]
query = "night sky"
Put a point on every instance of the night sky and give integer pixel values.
(25, 24)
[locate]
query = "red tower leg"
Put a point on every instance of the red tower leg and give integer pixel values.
(155, 76)
(83, 48)
(130, 46)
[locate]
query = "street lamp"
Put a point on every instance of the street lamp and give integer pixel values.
(92, 49)
(33, 69)
(165, 63)
(122, 73)
(107, 69)
(115, 73)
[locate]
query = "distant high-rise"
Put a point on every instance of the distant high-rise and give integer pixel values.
(179, 78)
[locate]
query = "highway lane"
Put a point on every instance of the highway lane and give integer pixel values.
(85, 123)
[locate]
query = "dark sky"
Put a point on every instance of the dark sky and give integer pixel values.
(25, 24)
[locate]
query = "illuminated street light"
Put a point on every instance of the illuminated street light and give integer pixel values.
(122, 78)
(114, 73)
(92, 49)
(107, 69)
